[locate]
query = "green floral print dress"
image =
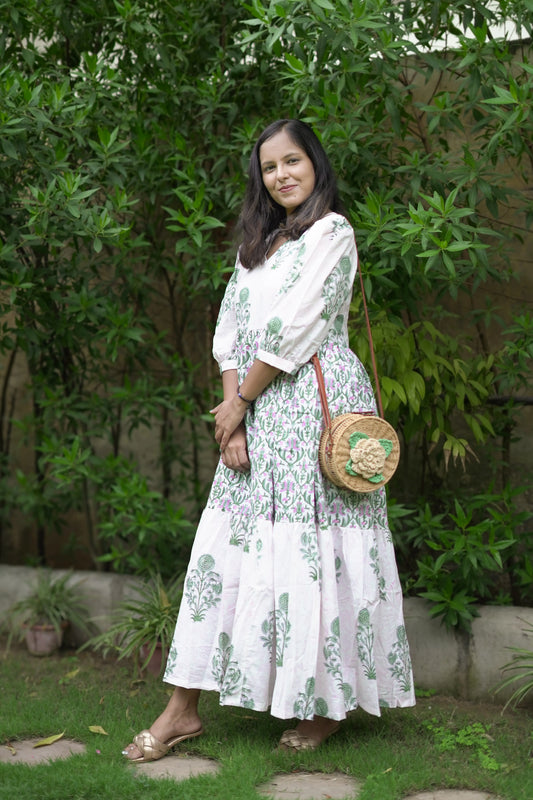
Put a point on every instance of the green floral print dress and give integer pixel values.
(292, 601)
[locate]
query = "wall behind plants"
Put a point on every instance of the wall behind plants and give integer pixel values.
(125, 133)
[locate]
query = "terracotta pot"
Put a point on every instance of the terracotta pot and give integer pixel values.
(156, 662)
(43, 640)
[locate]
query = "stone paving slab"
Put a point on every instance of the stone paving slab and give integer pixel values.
(311, 786)
(452, 794)
(177, 767)
(294, 786)
(26, 753)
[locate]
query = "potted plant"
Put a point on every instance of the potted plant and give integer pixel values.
(43, 615)
(143, 626)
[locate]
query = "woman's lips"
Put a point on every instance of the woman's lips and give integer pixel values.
(287, 189)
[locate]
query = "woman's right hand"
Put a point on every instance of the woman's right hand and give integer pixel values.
(235, 454)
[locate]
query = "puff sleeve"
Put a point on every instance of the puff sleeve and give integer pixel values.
(226, 328)
(318, 287)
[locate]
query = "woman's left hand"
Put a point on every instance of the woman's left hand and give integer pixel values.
(228, 415)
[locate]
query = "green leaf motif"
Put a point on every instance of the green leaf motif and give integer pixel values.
(400, 660)
(386, 445)
(274, 325)
(356, 437)
(349, 469)
(224, 669)
(309, 551)
(332, 653)
(350, 701)
(205, 563)
(304, 706)
(203, 588)
(345, 265)
(365, 644)
(321, 707)
(276, 628)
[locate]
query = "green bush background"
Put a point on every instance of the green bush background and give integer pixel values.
(125, 130)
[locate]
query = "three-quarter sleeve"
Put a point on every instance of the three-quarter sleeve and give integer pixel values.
(225, 336)
(317, 288)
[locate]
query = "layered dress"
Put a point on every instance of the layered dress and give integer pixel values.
(292, 601)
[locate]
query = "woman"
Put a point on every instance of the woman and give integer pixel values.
(292, 601)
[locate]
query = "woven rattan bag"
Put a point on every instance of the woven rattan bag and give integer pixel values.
(358, 450)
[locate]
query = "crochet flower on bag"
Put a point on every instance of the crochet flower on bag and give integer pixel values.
(368, 456)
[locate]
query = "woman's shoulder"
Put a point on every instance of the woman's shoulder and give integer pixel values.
(332, 224)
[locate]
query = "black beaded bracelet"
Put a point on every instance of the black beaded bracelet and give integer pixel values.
(248, 402)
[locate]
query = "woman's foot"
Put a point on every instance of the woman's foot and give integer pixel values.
(179, 721)
(308, 734)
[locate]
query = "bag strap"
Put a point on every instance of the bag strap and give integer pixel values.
(371, 345)
(320, 377)
(321, 390)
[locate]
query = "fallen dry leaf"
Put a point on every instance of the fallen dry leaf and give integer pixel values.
(72, 674)
(98, 729)
(49, 740)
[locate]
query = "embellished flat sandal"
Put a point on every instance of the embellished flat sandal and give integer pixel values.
(296, 741)
(152, 749)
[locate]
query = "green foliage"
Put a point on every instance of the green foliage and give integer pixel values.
(145, 620)
(111, 259)
(125, 129)
(393, 104)
(520, 673)
(474, 735)
(51, 602)
(472, 552)
(137, 526)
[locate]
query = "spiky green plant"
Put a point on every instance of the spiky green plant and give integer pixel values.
(143, 621)
(53, 601)
(521, 667)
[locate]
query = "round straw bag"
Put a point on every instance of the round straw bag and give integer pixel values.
(359, 452)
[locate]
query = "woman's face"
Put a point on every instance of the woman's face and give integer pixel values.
(287, 170)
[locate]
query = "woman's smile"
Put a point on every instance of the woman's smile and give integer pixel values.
(288, 172)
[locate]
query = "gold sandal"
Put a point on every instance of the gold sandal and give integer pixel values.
(296, 741)
(152, 749)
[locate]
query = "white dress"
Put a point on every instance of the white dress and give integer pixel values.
(292, 600)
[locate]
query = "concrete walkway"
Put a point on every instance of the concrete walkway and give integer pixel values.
(296, 786)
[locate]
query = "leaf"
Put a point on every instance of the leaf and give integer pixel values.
(72, 674)
(98, 729)
(386, 445)
(357, 437)
(49, 740)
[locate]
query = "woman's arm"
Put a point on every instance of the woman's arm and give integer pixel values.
(230, 413)
(235, 454)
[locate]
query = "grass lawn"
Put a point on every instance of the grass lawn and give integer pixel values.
(441, 743)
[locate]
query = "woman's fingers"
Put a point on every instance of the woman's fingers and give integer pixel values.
(235, 454)
(228, 416)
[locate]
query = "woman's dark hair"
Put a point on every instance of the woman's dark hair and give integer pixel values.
(262, 219)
